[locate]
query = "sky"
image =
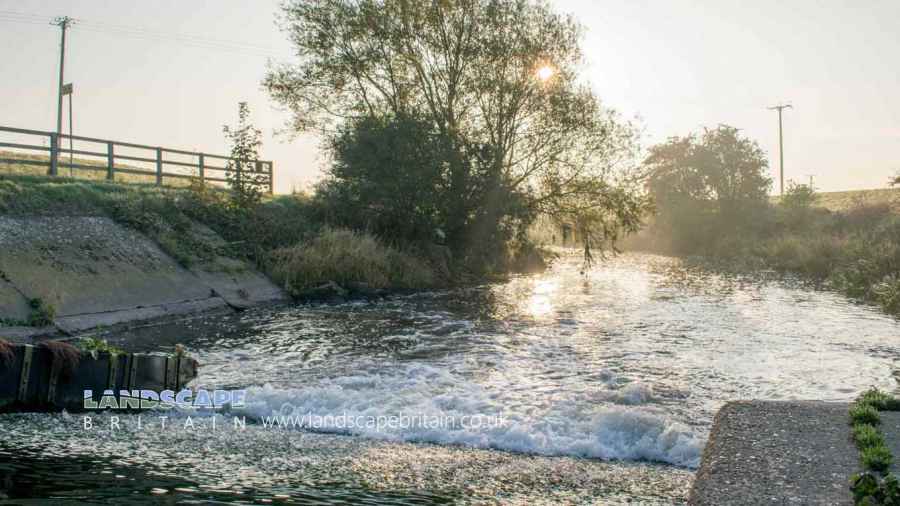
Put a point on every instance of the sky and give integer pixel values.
(171, 73)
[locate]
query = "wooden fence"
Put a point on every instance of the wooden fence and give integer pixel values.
(164, 162)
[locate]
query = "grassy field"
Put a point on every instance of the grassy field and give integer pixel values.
(21, 169)
(843, 201)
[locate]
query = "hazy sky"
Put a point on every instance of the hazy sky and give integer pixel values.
(146, 72)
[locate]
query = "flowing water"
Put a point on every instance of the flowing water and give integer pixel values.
(553, 388)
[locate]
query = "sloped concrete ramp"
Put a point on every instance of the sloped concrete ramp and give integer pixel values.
(13, 305)
(770, 452)
(95, 272)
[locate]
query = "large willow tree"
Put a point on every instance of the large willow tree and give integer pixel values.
(497, 80)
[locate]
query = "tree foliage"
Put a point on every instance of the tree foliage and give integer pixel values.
(707, 185)
(387, 177)
(243, 173)
(512, 144)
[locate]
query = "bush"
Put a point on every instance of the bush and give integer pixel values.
(864, 414)
(347, 258)
(867, 436)
(876, 458)
(42, 313)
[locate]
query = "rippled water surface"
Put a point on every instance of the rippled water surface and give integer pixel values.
(605, 383)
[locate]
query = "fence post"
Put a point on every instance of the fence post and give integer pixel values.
(271, 179)
(110, 165)
(54, 154)
(159, 166)
(200, 165)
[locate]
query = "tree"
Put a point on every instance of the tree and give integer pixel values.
(708, 185)
(895, 181)
(497, 80)
(387, 177)
(246, 181)
(799, 196)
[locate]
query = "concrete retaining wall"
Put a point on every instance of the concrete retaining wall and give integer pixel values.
(95, 272)
(769, 452)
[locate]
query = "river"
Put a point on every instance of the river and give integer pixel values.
(560, 387)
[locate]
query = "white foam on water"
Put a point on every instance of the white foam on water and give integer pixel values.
(633, 394)
(571, 427)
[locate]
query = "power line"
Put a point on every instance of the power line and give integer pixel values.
(148, 35)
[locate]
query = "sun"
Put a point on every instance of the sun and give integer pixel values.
(545, 72)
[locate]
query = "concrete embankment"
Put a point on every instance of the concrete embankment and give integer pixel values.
(94, 273)
(762, 452)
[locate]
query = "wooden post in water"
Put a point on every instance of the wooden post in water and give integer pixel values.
(110, 167)
(159, 166)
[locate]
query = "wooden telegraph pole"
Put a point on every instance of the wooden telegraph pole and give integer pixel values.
(780, 108)
(63, 23)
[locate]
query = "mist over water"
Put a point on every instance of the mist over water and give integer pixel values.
(625, 367)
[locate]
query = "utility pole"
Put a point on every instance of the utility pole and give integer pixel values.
(811, 176)
(63, 23)
(780, 108)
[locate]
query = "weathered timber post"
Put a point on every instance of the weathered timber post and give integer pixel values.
(159, 166)
(110, 157)
(54, 154)
(200, 165)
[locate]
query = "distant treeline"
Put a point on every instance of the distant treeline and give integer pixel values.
(711, 197)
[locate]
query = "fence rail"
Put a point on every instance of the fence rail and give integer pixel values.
(163, 167)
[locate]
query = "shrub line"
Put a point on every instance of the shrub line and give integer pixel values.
(875, 485)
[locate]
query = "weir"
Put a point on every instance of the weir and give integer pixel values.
(35, 378)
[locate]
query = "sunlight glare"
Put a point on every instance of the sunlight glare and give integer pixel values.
(545, 72)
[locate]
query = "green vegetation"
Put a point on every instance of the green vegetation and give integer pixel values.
(276, 234)
(22, 169)
(711, 200)
(246, 183)
(438, 171)
(853, 199)
(93, 346)
(461, 130)
(42, 313)
(876, 458)
(864, 414)
(349, 259)
(873, 486)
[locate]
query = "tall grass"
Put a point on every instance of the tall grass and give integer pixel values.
(854, 249)
(347, 257)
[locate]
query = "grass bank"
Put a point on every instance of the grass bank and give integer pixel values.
(852, 246)
(286, 237)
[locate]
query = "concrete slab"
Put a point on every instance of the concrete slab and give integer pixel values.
(91, 265)
(763, 452)
(238, 284)
(77, 323)
(13, 305)
(96, 273)
(234, 280)
(890, 427)
(27, 335)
